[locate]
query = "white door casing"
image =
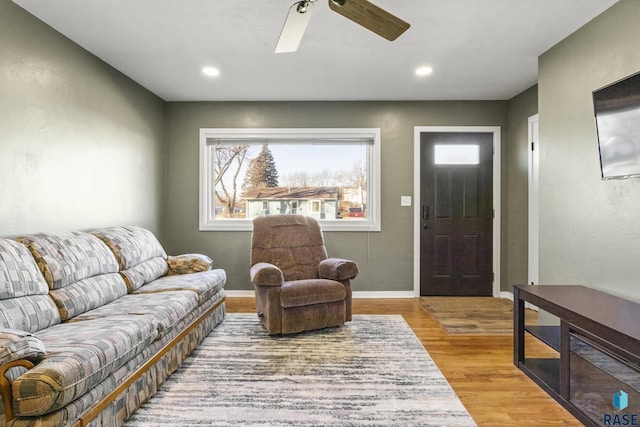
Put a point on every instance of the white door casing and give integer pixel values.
(495, 130)
(534, 209)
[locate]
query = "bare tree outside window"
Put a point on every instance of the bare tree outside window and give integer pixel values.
(297, 179)
(228, 161)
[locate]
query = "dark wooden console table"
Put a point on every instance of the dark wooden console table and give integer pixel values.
(598, 347)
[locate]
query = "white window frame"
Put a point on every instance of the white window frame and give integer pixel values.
(207, 219)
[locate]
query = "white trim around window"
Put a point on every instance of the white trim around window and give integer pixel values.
(258, 136)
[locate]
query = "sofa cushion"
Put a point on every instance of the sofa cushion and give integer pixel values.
(131, 245)
(205, 284)
(19, 274)
(80, 269)
(66, 258)
(29, 314)
(80, 355)
(145, 272)
(24, 300)
(140, 256)
(168, 308)
(16, 345)
(88, 294)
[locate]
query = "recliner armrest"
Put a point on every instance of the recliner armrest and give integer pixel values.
(265, 274)
(338, 269)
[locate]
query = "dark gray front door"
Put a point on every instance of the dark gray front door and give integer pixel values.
(456, 239)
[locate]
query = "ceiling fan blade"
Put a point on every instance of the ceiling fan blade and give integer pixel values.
(371, 17)
(294, 27)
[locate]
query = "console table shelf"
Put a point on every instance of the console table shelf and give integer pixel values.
(550, 335)
(598, 345)
(545, 372)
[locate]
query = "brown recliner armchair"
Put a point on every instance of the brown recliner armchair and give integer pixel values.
(297, 287)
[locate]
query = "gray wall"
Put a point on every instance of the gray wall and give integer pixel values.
(385, 258)
(589, 228)
(515, 240)
(81, 146)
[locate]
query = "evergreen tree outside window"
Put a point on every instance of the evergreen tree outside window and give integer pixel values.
(262, 171)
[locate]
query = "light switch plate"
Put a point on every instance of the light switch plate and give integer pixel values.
(405, 200)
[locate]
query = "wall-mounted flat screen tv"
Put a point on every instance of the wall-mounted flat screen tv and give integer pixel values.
(617, 111)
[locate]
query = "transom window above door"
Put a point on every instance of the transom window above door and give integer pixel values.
(456, 154)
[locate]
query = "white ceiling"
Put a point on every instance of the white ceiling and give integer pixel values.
(479, 49)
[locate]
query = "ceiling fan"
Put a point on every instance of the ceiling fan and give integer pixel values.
(361, 12)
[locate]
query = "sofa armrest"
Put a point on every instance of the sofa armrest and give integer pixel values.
(5, 386)
(18, 349)
(189, 263)
(17, 345)
(338, 269)
(265, 274)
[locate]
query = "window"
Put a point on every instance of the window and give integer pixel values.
(323, 173)
(456, 154)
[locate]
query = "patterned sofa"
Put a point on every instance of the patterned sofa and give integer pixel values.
(92, 323)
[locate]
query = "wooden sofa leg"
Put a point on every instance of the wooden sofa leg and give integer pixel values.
(5, 386)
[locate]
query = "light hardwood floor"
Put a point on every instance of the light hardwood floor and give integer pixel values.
(479, 368)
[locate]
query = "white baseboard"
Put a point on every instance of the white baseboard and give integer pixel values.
(506, 294)
(356, 294)
(509, 295)
(384, 294)
(240, 294)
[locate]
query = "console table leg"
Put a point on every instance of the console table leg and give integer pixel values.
(564, 360)
(518, 327)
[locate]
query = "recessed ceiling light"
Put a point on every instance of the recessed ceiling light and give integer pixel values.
(211, 71)
(424, 71)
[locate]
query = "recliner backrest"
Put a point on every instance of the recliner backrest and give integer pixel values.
(294, 243)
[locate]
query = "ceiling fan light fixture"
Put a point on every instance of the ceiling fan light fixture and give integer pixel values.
(210, 71)
(424, 71)
(302, 7)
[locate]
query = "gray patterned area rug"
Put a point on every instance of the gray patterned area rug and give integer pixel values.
(372, 371)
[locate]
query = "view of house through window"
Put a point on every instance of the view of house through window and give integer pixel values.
(325, 176)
